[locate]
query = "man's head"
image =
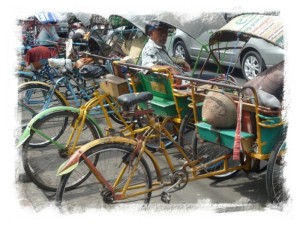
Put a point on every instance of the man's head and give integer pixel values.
(158, 31)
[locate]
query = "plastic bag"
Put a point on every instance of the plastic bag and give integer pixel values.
(92, 71)
(59, 63)
(268, 100)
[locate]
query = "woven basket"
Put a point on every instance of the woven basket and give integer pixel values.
(219, 110)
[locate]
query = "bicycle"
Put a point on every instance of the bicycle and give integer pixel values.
(70, 128)
(41, 71)
(67, 85)
(82, 127)
(45, 74)
(35, 96)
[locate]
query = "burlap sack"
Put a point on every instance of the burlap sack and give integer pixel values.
(219, 110)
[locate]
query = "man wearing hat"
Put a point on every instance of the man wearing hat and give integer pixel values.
(154, 53)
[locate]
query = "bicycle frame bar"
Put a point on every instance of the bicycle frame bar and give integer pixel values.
(63, 169)
(65, 81)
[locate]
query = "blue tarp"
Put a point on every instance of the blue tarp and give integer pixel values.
(47, 17)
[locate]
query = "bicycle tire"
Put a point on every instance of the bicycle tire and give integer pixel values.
(187, 125)
(41, 156)
(110, 158)
(186, 131)
(212, 151)
(275, 180)
(113, 115)
(31, 100)
(154, 143)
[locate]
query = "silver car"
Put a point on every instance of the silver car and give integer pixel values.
(256, 56)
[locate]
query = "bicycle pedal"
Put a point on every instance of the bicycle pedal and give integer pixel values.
(110, 131)
(165, 197)
(23, 178)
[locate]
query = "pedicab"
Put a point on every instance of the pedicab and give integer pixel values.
(256, 137)
(168, 105)
(248, 133)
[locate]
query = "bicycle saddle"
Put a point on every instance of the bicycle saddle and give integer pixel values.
(128, 100)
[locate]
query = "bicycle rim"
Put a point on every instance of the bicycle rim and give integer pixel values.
(275, 179)
(90, 194)
(41, 161)
(186, 131)
(211, 151)
(154, 142)
(32, 99)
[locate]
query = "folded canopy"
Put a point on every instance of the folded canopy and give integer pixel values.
(193, 25)
(269, 28)
(87, 19)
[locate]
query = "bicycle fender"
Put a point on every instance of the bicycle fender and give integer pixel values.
(73, 161)
(26, 133)
(33, 82)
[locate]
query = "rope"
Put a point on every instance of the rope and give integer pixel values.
(237, 138)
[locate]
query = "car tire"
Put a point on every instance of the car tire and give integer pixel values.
(252, 65)
(179, 49)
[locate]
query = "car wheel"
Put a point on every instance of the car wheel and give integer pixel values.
(180, 50)
(252, 65)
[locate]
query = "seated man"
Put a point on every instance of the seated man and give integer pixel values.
(154, 53)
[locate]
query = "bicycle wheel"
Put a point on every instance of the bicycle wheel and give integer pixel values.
(111, 159)
(46, 148)
(274, 176)
(153, 143)
(186, 131)
(116, 118)
(111, 113)
(187, 125)
(33, 98)
(211, 151)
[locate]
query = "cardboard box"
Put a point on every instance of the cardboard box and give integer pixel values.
(114, 85)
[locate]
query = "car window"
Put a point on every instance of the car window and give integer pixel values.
(204, 37)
